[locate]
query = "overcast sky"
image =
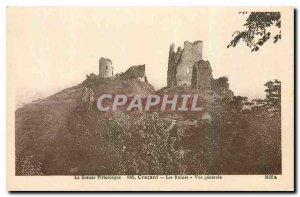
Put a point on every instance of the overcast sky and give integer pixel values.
(52, 49)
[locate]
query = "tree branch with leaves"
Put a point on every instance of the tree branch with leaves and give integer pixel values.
(258, 30)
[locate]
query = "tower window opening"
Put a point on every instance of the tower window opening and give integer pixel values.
(187, 70)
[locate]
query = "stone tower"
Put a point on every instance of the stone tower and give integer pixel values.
(181, 62)
(202, 75)
(105, 67)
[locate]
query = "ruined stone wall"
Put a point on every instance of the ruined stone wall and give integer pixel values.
(135, 72)
(174, 60)
(202, 75)
(192, 53)
(105, 67)
(181, 62)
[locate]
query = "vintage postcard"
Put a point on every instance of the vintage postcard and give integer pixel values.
(150, 98)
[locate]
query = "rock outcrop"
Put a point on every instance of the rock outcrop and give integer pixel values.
(135, 72)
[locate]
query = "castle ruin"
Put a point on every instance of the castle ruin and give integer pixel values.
(202, 76)
(181, 63)
(105, 68)
(186, 67)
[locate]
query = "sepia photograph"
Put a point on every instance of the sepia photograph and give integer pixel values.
(150, 96)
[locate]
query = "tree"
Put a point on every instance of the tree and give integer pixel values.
(258, 30)
(273, 94)
(238, 102)
(223, 81)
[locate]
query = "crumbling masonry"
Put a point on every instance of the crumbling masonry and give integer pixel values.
(181, 63)
(186, 67)
(201, 75)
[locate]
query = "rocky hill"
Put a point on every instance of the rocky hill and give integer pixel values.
(65, 134)
(43, 127)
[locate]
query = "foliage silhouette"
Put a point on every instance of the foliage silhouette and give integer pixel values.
(258, 30)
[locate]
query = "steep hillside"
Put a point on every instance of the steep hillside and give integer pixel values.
(44, 134)
(65, 134)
